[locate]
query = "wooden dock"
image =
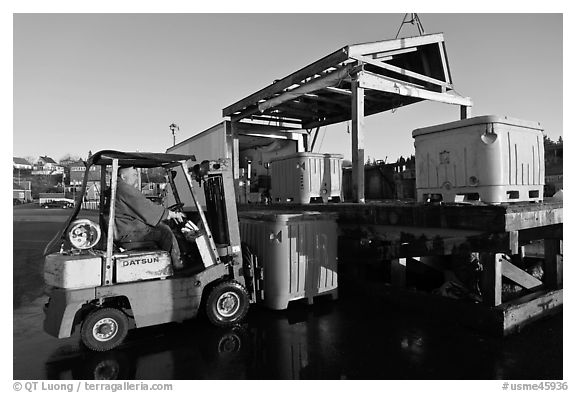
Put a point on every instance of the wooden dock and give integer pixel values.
(404, 233)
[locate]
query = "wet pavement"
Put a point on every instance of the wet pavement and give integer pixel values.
(354, 337)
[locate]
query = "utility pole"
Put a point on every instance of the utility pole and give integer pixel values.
(173, 127)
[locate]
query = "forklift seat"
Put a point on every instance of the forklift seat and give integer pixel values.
(131, 246)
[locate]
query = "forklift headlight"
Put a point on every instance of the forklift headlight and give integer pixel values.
(84, 234)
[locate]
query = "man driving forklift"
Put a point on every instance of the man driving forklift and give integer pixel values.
(105, 292)
(139, 221)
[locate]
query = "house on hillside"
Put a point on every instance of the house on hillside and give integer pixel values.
(21, 169)
(153, 189)
(22, 191)
(21, 163)
(47, 166)
(75, 175)
(77, 170)
(65, 162)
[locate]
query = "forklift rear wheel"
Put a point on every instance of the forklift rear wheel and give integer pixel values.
(104, 329)
(227, 304)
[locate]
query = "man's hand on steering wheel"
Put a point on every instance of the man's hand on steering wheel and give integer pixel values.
(177, 207)
(179, 217)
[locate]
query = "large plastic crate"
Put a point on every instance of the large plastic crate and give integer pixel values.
(488, 158)
(303, 177)
(297, 253)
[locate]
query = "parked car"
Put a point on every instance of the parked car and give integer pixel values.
(16, 201)
(58, 205)
(156, 199)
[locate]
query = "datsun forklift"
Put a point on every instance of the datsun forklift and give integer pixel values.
(104, 290)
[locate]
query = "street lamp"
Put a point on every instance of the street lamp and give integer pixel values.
(173, 127)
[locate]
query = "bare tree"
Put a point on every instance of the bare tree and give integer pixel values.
(69, 158)
(30, 159)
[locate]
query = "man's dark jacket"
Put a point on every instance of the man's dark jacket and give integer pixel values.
(134, 212)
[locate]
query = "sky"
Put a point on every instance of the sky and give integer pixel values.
(117, 81)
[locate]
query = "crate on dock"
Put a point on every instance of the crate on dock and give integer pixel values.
(303, 177)
(488, 158)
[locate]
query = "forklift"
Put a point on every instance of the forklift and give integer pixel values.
(103, 290)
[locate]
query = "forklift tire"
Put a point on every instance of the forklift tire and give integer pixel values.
(104, 329)
(227, 304)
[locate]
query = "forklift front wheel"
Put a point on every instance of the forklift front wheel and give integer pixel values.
(104, 329)
(227, 304)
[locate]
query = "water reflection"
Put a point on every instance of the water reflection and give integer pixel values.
(208, 354)
(331, 340)
(273, 345)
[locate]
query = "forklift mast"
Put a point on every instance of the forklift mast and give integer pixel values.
(221, 212)
(216, 213)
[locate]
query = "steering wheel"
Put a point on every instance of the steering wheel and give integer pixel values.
(176, 207)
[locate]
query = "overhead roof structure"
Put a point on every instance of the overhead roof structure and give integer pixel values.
(137, 159)
(353, 82)
(394, 73)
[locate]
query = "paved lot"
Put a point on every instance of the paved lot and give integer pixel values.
(352, 338)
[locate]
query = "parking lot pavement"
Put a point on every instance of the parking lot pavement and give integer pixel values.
(32, 230)
(355, 337)
(34, 213)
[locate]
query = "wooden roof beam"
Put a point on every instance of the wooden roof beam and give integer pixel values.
(250, 112)
(271, 134)
(348, 93)
(246, 113)
(328, 100)
(292, 110)
(331, 79)
(332, 59)
(401, 43)
(444, 59)
(255, 127)
(401, 71)
(305, 109)
(277, 119)
(369, 80)
(369, 111)
(391, 53)
(327, 121)
(338, 90)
